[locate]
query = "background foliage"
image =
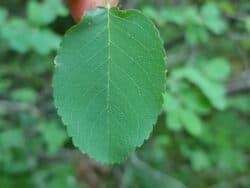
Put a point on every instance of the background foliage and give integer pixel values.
(202, 136)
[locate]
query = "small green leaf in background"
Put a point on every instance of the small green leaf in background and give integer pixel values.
(53, 136)
(172, 107)
(44, 41)
(217, 69)
(109, 81)
(150, 12)
(56, 175)
(191, 122)
(25, 95)
(199, 160)
(247, 23)
(4, 84)
(195, 34)
(240, 102)
(23, 37)
(191, 16)
(212, 19)
(196, 101)
(45, 12)
(3, 15)
(173, 121)
(17, 33)
(163, 141)
(172, 14)
(11, 138)
(231, 160)
(212, 90)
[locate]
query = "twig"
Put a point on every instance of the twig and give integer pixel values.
(15, 106)
(239, 83)
(155, 174)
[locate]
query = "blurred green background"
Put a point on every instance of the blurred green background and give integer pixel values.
(202, 137)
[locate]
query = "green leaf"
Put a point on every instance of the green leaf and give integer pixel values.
(170, 102)
(173, 14)
(191, 16)
(26, 95)
(43, 41)
(3, 15)
(231, 160)
(53, 135)
(247, 23)
(191, 122)
(109, 80)
(195, 34)
(217, 69)
(150, 12)
(240, 102)
(45, 12)
(17, 33)
(173, 121)
(212, 18)
(22, 37)
(11, 138)
(200, 160)
(214, 91)
(192, 98)
(172, 107)
(4, 84)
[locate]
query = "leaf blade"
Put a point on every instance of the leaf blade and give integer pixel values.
(110, 100)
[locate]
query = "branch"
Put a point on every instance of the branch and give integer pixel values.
(239, 83)
(15, 106)
(155, 174)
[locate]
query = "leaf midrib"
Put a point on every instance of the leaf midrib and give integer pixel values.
(108, 79)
